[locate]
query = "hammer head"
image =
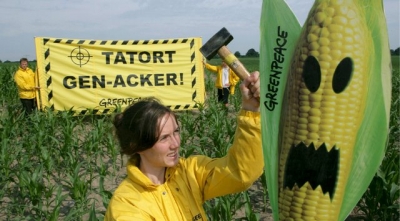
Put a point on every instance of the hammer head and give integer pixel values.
(211, 47)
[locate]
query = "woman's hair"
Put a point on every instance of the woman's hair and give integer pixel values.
(137, 127)
(23, 59)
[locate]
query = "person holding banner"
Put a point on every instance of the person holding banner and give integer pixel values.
(225, 82)
(25, 81)
(162, 186)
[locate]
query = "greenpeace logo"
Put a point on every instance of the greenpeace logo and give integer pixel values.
(197, 217)
(106, 102)
(276, 70)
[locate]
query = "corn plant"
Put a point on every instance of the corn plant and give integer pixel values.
(223, 208)
(249, 211)
(54, 214)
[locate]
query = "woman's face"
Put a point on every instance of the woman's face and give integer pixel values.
(23, 64)
(165, 152)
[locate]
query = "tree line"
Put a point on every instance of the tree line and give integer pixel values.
(250, 53)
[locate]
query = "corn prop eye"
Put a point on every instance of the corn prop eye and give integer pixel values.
(342, 75)
(312, 74)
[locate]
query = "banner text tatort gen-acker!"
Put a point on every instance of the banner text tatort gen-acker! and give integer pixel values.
(101, 75)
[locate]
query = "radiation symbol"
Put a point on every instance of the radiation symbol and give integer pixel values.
(80, 56)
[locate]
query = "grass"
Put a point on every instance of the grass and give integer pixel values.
(57, 166)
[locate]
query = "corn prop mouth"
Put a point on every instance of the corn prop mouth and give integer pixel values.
(319, 167)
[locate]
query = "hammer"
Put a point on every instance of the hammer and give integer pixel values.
(217, 44)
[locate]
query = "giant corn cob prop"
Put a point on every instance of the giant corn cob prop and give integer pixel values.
(326, 99)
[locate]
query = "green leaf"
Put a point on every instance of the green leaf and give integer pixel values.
(279, 33)
(371, 140)
(92, 215)
(394, 191)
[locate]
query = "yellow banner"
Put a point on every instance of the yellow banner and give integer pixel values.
(101, 75)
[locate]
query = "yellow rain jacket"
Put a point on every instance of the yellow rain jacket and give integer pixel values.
(233, 78)
(192, 182)
(25, 80)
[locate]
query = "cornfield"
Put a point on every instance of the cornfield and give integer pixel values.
(59, 166)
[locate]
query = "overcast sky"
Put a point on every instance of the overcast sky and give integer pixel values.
(22, 20)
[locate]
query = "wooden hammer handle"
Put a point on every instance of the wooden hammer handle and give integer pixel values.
(234, 63)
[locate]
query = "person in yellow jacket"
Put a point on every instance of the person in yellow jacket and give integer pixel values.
(25, 81)
(162, 186)
(225, 82)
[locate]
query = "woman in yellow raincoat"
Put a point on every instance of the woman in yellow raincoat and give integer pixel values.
(162, 186)
(25, 80)
(225, 82)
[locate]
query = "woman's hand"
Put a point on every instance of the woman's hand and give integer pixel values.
(250, 89)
